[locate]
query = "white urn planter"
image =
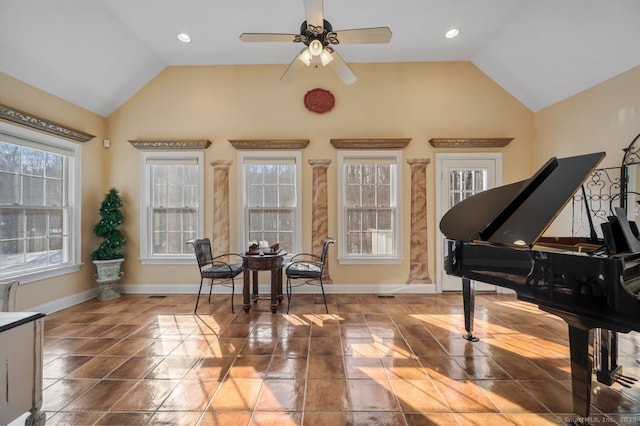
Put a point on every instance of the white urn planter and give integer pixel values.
(108, 275)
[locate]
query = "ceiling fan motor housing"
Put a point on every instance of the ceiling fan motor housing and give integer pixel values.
(324, 34)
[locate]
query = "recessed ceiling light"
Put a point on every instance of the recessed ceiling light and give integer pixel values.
(453, 32)
(184, 37)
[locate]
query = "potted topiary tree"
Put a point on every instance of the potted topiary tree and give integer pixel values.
(108, 257)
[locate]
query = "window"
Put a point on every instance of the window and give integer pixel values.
(39, 217)
(369, 218)
(270, 200)
(172, 214)
(463, 183)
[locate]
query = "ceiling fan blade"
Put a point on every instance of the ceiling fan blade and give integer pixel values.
(294, 67)
(260, 37)
(342, 69)
(364, 35)
(314, 13)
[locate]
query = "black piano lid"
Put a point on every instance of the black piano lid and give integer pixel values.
(520, 212)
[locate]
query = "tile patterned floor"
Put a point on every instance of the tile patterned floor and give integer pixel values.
(371, 361)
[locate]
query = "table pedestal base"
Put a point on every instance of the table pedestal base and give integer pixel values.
(254, 264)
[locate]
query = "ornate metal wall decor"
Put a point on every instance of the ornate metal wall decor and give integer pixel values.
(370, 143)
(319, 100)
(269, 143)
(632, 152)
(631, 157)
(170, 144)
(602, 189)
(605, 189)
(473, 142)
(24, 118)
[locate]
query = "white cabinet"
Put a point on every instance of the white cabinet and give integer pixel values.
(21, 341)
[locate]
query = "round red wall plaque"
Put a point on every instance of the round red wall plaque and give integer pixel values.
(319, 100)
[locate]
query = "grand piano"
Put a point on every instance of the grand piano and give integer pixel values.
(593, 284)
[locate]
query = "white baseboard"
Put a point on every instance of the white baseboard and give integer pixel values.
(266, 289)
(65, 302)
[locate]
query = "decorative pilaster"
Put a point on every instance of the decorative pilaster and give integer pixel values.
(220, 237)
(319, 214)
(418, 268)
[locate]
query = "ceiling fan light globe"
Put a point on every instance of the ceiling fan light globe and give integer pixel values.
(325, 57)
(305, 57)
(315, 47)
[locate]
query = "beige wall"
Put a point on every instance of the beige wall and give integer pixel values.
(603, 118)
(21, 96)
(409, 100)
(419, 101)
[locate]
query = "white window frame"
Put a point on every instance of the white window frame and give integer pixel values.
(296, 156)
(145, 211)
(73, 187)
(396, 189)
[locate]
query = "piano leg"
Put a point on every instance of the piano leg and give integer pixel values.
(605, 348)
(469, 300)
(581, 370)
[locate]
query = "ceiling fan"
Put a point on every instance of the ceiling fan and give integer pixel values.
(318, 36)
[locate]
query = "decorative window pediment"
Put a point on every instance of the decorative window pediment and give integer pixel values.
(146, 144)
(470, 142)
(254, 144)
(370, 143)
(24, 118)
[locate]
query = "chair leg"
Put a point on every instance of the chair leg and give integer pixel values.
(323, 296)
(288, 293)
(210, 290)
(195, 311)
(233, 290)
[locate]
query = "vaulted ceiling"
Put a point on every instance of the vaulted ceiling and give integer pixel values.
(98, 53)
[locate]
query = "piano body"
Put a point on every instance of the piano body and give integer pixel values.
(495, 237)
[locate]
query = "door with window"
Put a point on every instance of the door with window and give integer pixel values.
(459, 177)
